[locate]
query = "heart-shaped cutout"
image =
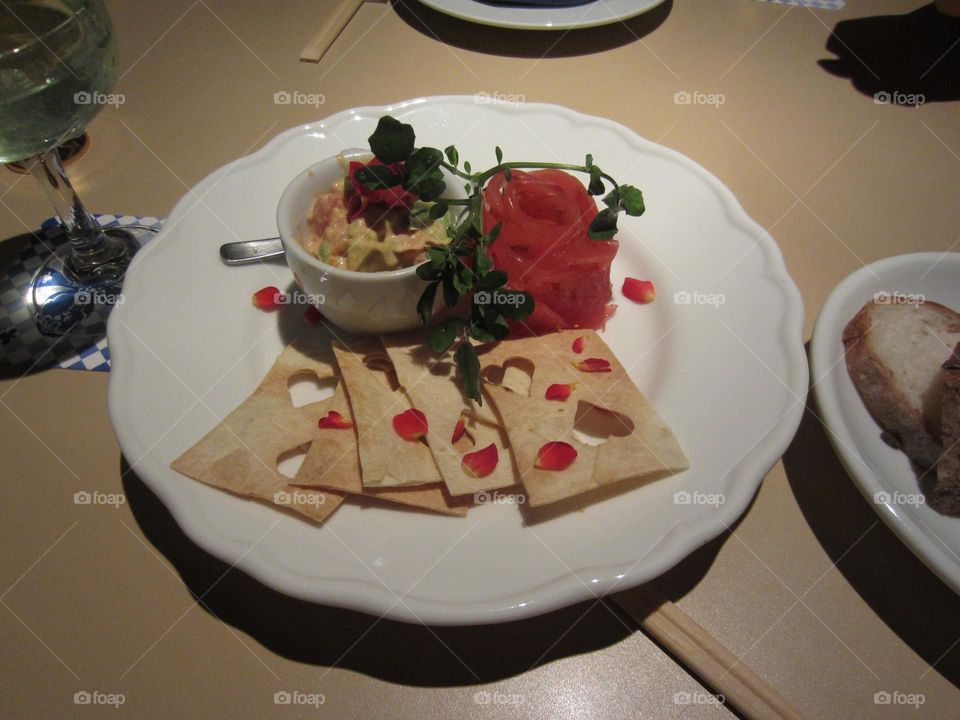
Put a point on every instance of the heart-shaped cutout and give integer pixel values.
(595, 424)
(306, 387)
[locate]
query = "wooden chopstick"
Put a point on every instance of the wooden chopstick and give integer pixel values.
(704, 655)
(330, 30)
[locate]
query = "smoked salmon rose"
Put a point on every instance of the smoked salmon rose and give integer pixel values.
(544, 248)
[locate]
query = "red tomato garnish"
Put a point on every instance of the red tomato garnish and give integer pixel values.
(362, 196)
(312, 315)
(578, 344)
(268, 298)
(410, 424)
(559, 392)
(640, 291)
(555, 456)
(458, 431)
(334, 421)
(482, 462)
(593, 365)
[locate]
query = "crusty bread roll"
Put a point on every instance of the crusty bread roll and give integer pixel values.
(894, 354)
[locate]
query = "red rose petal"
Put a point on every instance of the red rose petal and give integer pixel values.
(268, 298)
(334, 421)
(593, 365)
(410, 424)
(578, 344)
(640, 291)
(555, 456)
(482, 462)
(559, 392)
(394, 196)
(356, 206)
(458, 431)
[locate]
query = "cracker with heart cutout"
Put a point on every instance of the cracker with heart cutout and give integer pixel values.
(600, 400)
(386, 458)
(241, 453)
(433, 385)
(333, 462)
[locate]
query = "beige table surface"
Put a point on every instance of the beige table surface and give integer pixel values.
(810, 588)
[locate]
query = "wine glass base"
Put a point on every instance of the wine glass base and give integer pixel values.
(68, 301)
(23, 348)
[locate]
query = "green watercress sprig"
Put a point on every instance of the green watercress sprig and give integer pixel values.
(463, 268)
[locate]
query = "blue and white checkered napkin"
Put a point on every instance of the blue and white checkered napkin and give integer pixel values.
(21, 344)
(818, 4)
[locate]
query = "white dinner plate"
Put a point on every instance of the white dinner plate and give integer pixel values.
(599, 12)
(885, 476)
(719, 353)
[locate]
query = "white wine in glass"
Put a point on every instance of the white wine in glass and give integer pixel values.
(58, 63)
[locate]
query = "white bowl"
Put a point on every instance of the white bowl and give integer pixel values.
(363, 303)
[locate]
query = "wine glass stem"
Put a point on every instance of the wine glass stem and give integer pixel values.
(90, 247)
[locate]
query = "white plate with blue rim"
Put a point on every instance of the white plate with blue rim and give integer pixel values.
(719, 353)
(883, 474)
(543, 14)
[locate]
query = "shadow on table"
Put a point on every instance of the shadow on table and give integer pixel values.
(908, 597)
(392, 651)
(899, 59)
(528, 43)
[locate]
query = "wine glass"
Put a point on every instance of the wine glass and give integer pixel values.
(58, 63)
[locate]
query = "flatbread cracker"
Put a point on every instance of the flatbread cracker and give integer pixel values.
(240, 454)
(640, 445)
(433, 386)
(333, 462)
(386, 459)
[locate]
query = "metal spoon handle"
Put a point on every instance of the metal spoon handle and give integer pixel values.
(245, 251)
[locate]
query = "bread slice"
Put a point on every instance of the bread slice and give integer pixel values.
(894, 353)
(945, 495)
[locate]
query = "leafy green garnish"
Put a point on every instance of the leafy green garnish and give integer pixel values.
(444, 334)
(469, 366)
(424, 177)
(463, 268)
(392, 141)
(378, 176)
(425, 303)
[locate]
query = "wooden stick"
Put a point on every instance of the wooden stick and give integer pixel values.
(702, 653)
(330, 30)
